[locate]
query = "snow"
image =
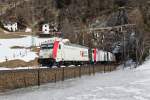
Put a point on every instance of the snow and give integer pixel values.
(127, 84)
(28, 30)
(23, 54)
(145, 66)
(3, 68)
(19, 68)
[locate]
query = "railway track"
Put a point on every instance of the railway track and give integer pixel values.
(55, 67)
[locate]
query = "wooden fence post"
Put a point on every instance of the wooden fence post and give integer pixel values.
(93, 69)
(25, 84)
(38, 72)
(74, 73)
(80, 71)
(89, 71)
(63, 74)
(110, 68)
(55, 77)
(104, 68)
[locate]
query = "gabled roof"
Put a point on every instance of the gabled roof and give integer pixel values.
(8, 22)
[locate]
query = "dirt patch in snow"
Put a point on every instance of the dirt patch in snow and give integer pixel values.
(17, 47)
(10, 35)
(19, 63)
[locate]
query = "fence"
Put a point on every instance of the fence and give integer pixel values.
(30, 77)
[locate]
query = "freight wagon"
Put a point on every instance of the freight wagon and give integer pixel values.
(100, 56)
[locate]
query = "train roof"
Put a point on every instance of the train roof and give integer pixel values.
(75, 45)
(65, 42)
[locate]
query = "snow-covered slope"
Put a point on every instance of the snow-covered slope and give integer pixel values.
(22, 54)
(145, 66)
(127, 84)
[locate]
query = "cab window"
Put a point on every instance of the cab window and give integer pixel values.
(59, 46)
(93, 51)
(47, 46)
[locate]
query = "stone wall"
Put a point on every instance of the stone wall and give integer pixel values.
(30, 77)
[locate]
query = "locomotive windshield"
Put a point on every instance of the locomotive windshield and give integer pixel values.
(47, 46)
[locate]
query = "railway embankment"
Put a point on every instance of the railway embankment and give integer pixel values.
(23, 78)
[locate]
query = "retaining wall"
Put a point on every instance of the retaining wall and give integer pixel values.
(24, 78)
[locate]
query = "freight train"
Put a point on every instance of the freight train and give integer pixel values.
(62, 52)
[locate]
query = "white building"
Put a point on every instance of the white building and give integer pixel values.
(45, 28)
(11, 26)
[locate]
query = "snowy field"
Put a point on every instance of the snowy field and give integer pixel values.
(23, 54)
(127, 84)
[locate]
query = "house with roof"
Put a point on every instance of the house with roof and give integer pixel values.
(47, 28)
(10, 26)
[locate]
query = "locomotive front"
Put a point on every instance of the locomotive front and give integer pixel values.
(46, 54)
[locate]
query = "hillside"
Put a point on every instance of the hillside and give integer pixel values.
(71, 13)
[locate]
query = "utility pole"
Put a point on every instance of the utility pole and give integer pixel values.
(136, 50)
(33, 34)
(124, 47)
(82, 38)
